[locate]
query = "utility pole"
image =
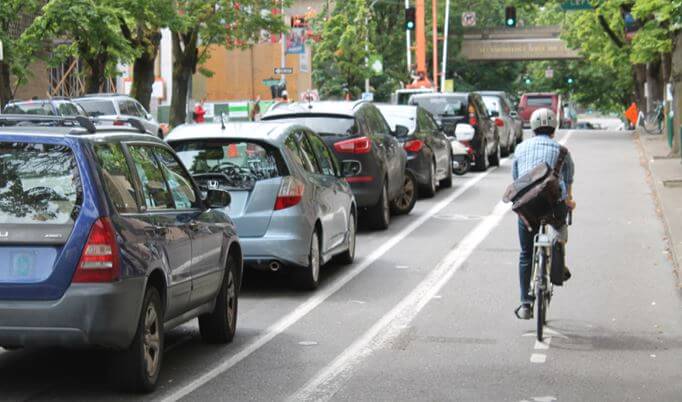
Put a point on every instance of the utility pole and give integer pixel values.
(283, 39)
(420, 38)
(434, 17)
(445, 45)
(408, 41)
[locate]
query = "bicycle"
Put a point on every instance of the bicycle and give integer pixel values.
(541, 287)
(653, 123)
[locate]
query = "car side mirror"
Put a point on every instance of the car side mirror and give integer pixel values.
(464, 132)
(218, 199)
(149, 116)
(514, 114)
(401, 131)
(494, 113)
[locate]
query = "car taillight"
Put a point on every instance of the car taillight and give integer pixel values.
(472, 119)
(100, 259)
(361, 145)
(414, 145)
(470, 151)
(290, 193)
(118, 123)
(499, 122)
(465, 143)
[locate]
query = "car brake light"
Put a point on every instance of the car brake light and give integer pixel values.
(414, 145)
(465, 143)
(290, 193)
(499, 122)
(100, 259)
(470, 151)
(472, 119)
(361, 145)
(118, 123)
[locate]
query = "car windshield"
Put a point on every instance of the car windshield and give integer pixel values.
(33, 107)
(323, 125)
(96, 108)
(39, 184)
(492, 103)
(236, 164)
(539, 101)
(442, 105)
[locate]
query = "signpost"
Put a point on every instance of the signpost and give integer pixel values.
(573, 5)
(468, 19)
(284, 70)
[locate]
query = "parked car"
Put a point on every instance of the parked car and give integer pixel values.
(402, 96)
(501, 111)
(361, 139)
(118, 108)
(530, 102)
(586, 125)
(429, 156)
(290, 202)
(48, 107)
(107, 242)
(453, 109)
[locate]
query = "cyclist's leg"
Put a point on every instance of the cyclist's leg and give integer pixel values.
(526, 239)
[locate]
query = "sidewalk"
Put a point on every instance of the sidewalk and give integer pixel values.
(665, 177)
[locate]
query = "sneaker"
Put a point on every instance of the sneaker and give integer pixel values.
(524, 312)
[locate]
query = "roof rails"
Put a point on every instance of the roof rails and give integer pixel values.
(103, 94)
(85, 122)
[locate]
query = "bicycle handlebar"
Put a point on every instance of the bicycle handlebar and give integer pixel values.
(570, 217)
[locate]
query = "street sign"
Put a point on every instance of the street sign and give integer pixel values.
(284, 70)
(549, 73)
(368, 96)
(572, 5)
(271, 82)
(468, 19)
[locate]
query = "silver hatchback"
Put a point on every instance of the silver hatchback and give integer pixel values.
(291, 205)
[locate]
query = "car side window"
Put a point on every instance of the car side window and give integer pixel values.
(362, 123)
(323, 155)
(178, 180)
(117, 177)
(128, 108)
(376, 120)
(295, 151)
(141, 112)
(308, 153)
(154, 189)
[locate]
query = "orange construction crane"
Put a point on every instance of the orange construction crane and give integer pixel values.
(422, 81)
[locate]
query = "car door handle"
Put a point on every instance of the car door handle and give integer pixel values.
(193, 226)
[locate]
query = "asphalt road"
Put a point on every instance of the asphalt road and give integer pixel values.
(426, 312)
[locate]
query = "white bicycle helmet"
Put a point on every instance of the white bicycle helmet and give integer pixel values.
(543, 118)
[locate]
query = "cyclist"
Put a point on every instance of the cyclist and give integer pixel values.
(541, 148)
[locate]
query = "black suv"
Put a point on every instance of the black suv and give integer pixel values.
(373, 160)
(468, 111)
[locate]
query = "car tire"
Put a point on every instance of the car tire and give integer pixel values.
(219, 326)
(405, 202)
(132, 371)
(348, 256)
(447, 181)
(308, 278)
(380, 214)
(429, 190)
(482, 159)
(495, 158)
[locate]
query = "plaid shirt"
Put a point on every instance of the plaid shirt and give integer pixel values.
(539, 149)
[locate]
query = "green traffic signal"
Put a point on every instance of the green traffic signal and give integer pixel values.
(570, 81)
(528, 81)
(510, 16)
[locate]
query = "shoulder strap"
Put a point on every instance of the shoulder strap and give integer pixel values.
(563, 151)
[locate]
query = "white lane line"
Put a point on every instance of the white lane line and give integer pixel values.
(538, 358)
(330, 379)
(321, 294)
(543, 345)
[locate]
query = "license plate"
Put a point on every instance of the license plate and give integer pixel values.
(22, 265)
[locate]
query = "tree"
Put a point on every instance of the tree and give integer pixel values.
(15, 60)
(339, 65)
(212, 22)
(86, 29)
(142, 29)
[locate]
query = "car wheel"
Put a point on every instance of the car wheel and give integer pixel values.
(407, 198)
(220, 325)
(495, 158)
(482, 159)
(137, 368)
(348, 256)
(429, 190)
(380, 214)
(447, 181)
(308, 278)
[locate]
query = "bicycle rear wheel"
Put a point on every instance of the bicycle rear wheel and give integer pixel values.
(540, 296)
(651, 124)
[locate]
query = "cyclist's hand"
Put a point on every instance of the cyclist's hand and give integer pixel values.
(571, 204)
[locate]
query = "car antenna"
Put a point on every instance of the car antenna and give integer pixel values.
(222, 120)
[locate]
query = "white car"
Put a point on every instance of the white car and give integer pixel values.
(117, 107)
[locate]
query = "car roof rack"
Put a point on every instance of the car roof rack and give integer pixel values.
(101, 95)
(85, 122)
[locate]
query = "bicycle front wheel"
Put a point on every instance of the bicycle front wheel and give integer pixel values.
(651, 124)
(540, 296)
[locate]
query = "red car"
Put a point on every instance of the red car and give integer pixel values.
(530, 102)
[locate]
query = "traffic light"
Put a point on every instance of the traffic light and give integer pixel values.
(510, 16)
(527, 80)
(410, 18)
(570, 80)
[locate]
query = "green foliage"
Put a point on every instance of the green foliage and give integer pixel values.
(339, 58)
(16, 56)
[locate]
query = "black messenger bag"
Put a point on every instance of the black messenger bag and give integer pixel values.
(536, 193)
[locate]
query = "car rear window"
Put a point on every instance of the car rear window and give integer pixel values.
(37, 108)
(442, 106)
(539, 101)
(39, 184)
(237, 164)
(96, 108)
(343, 126)
(67, 109)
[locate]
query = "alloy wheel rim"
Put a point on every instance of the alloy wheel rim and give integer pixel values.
(408, 192)
(315, 258)
(433, 178)
(152, 340)
(351, 242)
(386, 206)
(486, 161)
(231, 299)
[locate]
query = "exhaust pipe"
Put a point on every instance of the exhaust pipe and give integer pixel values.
(274, 266)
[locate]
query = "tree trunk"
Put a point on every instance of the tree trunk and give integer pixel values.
(639, 77)
(94, 81)
(5, 85)
(676, 78)
(143, 72)
(184, 63)
(654, 78)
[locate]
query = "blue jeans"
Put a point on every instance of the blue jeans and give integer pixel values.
(526, 239)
